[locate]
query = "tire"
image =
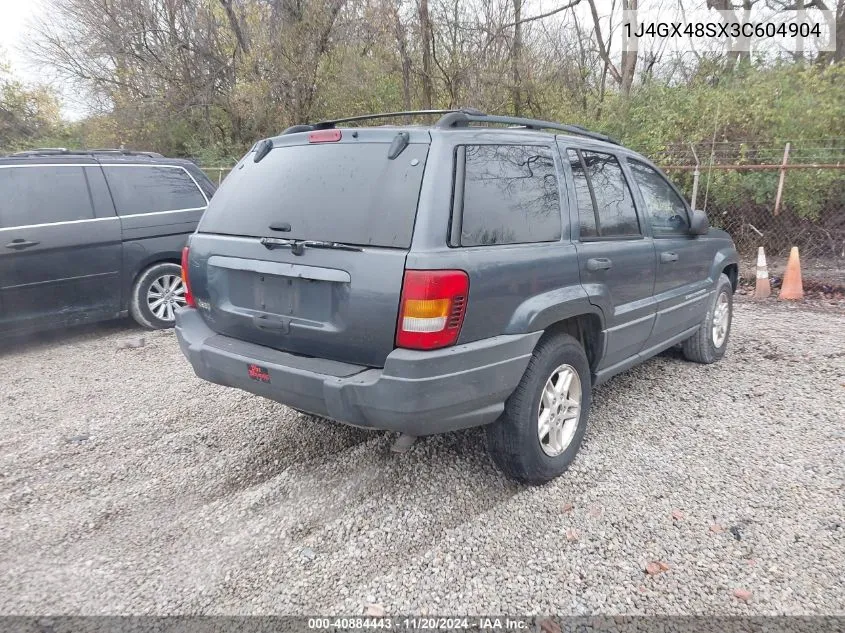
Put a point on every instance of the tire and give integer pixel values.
(159, 281)
(705, 346)
(514, 440)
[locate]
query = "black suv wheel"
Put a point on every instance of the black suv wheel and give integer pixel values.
(157, 293)
(539, 434)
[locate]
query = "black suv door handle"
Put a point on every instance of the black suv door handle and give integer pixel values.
(20, 244)
(599, 263)
(668, 258)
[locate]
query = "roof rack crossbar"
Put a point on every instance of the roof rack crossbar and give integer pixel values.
(324, 125)
(463, 118)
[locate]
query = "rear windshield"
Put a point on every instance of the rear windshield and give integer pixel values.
(340, 192)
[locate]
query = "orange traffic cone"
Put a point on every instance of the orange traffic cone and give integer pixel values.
(763, 289)
(792, 288)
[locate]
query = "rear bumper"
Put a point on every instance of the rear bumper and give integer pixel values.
(419, 393)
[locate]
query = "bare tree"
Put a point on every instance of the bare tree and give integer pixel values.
(624, 73)
(835, 8)
(426, 39)
(739, 52)
(401, 34)
(175, 61)
(516, 58)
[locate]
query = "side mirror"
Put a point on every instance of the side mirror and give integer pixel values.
(699, 225)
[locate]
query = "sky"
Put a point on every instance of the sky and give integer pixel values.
(14, 15)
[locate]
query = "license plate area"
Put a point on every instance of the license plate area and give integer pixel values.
(308, 299)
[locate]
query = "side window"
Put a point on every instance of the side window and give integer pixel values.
(510, 196)
(600, 184)
(151, 189)
(667, 213)
(584, 195)
(43, 195)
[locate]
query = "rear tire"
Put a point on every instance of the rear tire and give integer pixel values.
(157, 293)
(710, 342)
(516, 441)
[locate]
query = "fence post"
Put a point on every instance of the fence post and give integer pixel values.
(695, 176)
(781, 179)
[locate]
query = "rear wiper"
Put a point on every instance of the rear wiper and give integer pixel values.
(335, 245)
(297, 247)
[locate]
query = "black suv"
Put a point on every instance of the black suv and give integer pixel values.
(425, 279)
(86, 236)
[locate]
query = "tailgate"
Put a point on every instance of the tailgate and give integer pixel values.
(338, 305)
(331, 301)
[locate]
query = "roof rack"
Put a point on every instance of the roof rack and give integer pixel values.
(125, 152)
(462, 118)
(325, 125)
(42, 150)
(62, 151)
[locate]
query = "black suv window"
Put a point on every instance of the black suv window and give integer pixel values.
(605, 205)
(667, 213)
(510, 195)
(43, 195)
(141, 189)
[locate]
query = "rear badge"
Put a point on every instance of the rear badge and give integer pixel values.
(256, 372)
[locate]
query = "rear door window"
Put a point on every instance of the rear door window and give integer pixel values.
(510, 195)
(141, 189)
(43, 195)
(605, 204)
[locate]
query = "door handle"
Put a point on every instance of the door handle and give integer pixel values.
(668, 258)
(20, 244)
(599, 263)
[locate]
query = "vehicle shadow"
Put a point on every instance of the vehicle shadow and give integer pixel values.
(72, 335)
(285, 447)
(676, 352)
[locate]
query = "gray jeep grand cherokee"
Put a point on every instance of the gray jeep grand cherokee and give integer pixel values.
(426, 279)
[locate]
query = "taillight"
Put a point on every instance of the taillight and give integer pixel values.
(189, 298)
(432, 309)
(324, 136)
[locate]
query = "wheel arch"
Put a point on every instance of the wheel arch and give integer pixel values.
(732, 271)
(587, 328)
(726, 261)
(153, 260)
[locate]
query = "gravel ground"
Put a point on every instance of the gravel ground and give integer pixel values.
(127, 485)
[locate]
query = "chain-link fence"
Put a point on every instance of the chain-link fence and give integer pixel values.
(771, 195)
(812, 218)
(777, 197)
